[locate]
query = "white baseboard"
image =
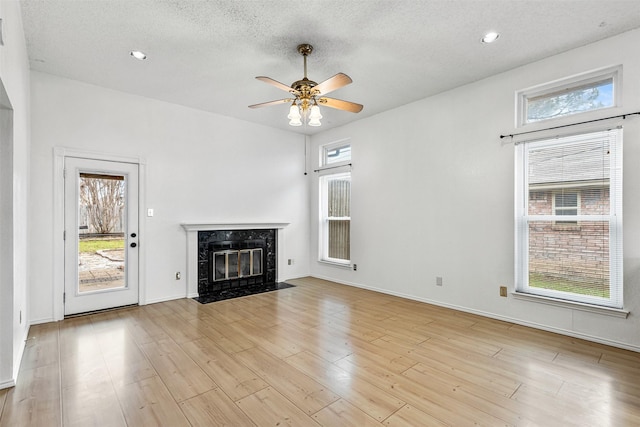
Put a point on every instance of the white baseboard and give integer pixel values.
(7, 384)
(23, 344)
(534, 325)
(40, 321)
(164, 299)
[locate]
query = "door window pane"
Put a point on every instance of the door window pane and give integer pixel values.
(101, 242)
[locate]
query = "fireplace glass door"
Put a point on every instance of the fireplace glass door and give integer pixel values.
(236, 264)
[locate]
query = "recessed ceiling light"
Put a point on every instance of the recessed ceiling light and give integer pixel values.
(490, 37)
(138, 55)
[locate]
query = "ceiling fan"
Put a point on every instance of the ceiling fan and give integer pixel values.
(309, 94)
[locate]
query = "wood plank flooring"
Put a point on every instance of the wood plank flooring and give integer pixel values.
(319, 354)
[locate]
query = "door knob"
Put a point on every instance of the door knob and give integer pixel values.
(133, 245)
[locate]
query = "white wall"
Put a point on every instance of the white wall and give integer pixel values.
(200, 167)
(433, 195)
(14, 135)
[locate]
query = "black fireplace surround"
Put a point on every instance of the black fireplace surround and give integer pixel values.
(216, 247)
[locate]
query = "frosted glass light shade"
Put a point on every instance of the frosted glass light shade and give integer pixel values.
(315, 116)
(294, 113)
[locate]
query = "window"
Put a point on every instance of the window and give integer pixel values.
(335, 203)
(578, 94)
(566, 203)
(581, 177)
(336, 154)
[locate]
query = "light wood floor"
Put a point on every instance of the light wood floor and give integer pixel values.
(317, 354)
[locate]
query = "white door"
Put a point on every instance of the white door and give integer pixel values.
(101, 234)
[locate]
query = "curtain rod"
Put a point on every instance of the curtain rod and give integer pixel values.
(624, 116)
(332, 167)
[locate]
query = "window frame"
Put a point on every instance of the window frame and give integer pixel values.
(565, 85)
(614, 218)
(327, 171)
(327, 148)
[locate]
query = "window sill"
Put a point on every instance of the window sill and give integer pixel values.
(346, 265)
(607, 311)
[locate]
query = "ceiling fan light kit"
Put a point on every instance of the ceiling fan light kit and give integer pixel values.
(309, 94)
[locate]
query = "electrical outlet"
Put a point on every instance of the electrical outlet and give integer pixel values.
(438, 281)
(355, 267)
(178, 275)
(503, 291)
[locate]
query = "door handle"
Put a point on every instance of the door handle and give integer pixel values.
(133, 245)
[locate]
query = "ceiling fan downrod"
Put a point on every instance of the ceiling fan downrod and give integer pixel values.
(304, 50)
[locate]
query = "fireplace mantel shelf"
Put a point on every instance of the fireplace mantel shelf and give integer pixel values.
(202, 226)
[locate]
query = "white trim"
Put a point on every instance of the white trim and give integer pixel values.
(574, 305)
(142, 249)
(7, 384)
(549, 218)
(346, 265)
(165, 299)
(23, 345)
(561, 331)
(192, 229)
(59, 153)
(41, 321)
(208, 226)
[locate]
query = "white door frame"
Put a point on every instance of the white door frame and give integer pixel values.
(59, 153)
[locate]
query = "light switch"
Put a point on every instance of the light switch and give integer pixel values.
(149, 212)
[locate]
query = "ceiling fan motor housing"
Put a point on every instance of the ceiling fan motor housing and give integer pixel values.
(305, 49)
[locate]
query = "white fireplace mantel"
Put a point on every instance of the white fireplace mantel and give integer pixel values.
(190, 226)
(192, 229)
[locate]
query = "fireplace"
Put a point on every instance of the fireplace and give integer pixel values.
(229, 259)
(232, 264)
(201, 234)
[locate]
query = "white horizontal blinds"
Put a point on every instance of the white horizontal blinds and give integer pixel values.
(573, 218)
(339, 216)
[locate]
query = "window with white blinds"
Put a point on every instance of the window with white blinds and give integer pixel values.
(569, 218)
(336, 218)
(335, 203)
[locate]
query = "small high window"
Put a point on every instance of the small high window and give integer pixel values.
(586, 92)
(335, 154)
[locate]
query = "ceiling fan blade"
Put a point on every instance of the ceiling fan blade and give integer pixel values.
(341, 105)
(277, 84)
(267, 104)
(333, 83)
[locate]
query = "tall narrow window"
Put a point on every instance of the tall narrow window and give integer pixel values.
(569, 218)
(335, 203)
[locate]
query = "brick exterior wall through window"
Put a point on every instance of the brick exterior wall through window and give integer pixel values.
(577, 251)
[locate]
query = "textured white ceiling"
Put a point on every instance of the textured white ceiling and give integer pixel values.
(205, 54)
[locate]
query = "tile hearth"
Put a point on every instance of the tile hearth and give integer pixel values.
(242, 292)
